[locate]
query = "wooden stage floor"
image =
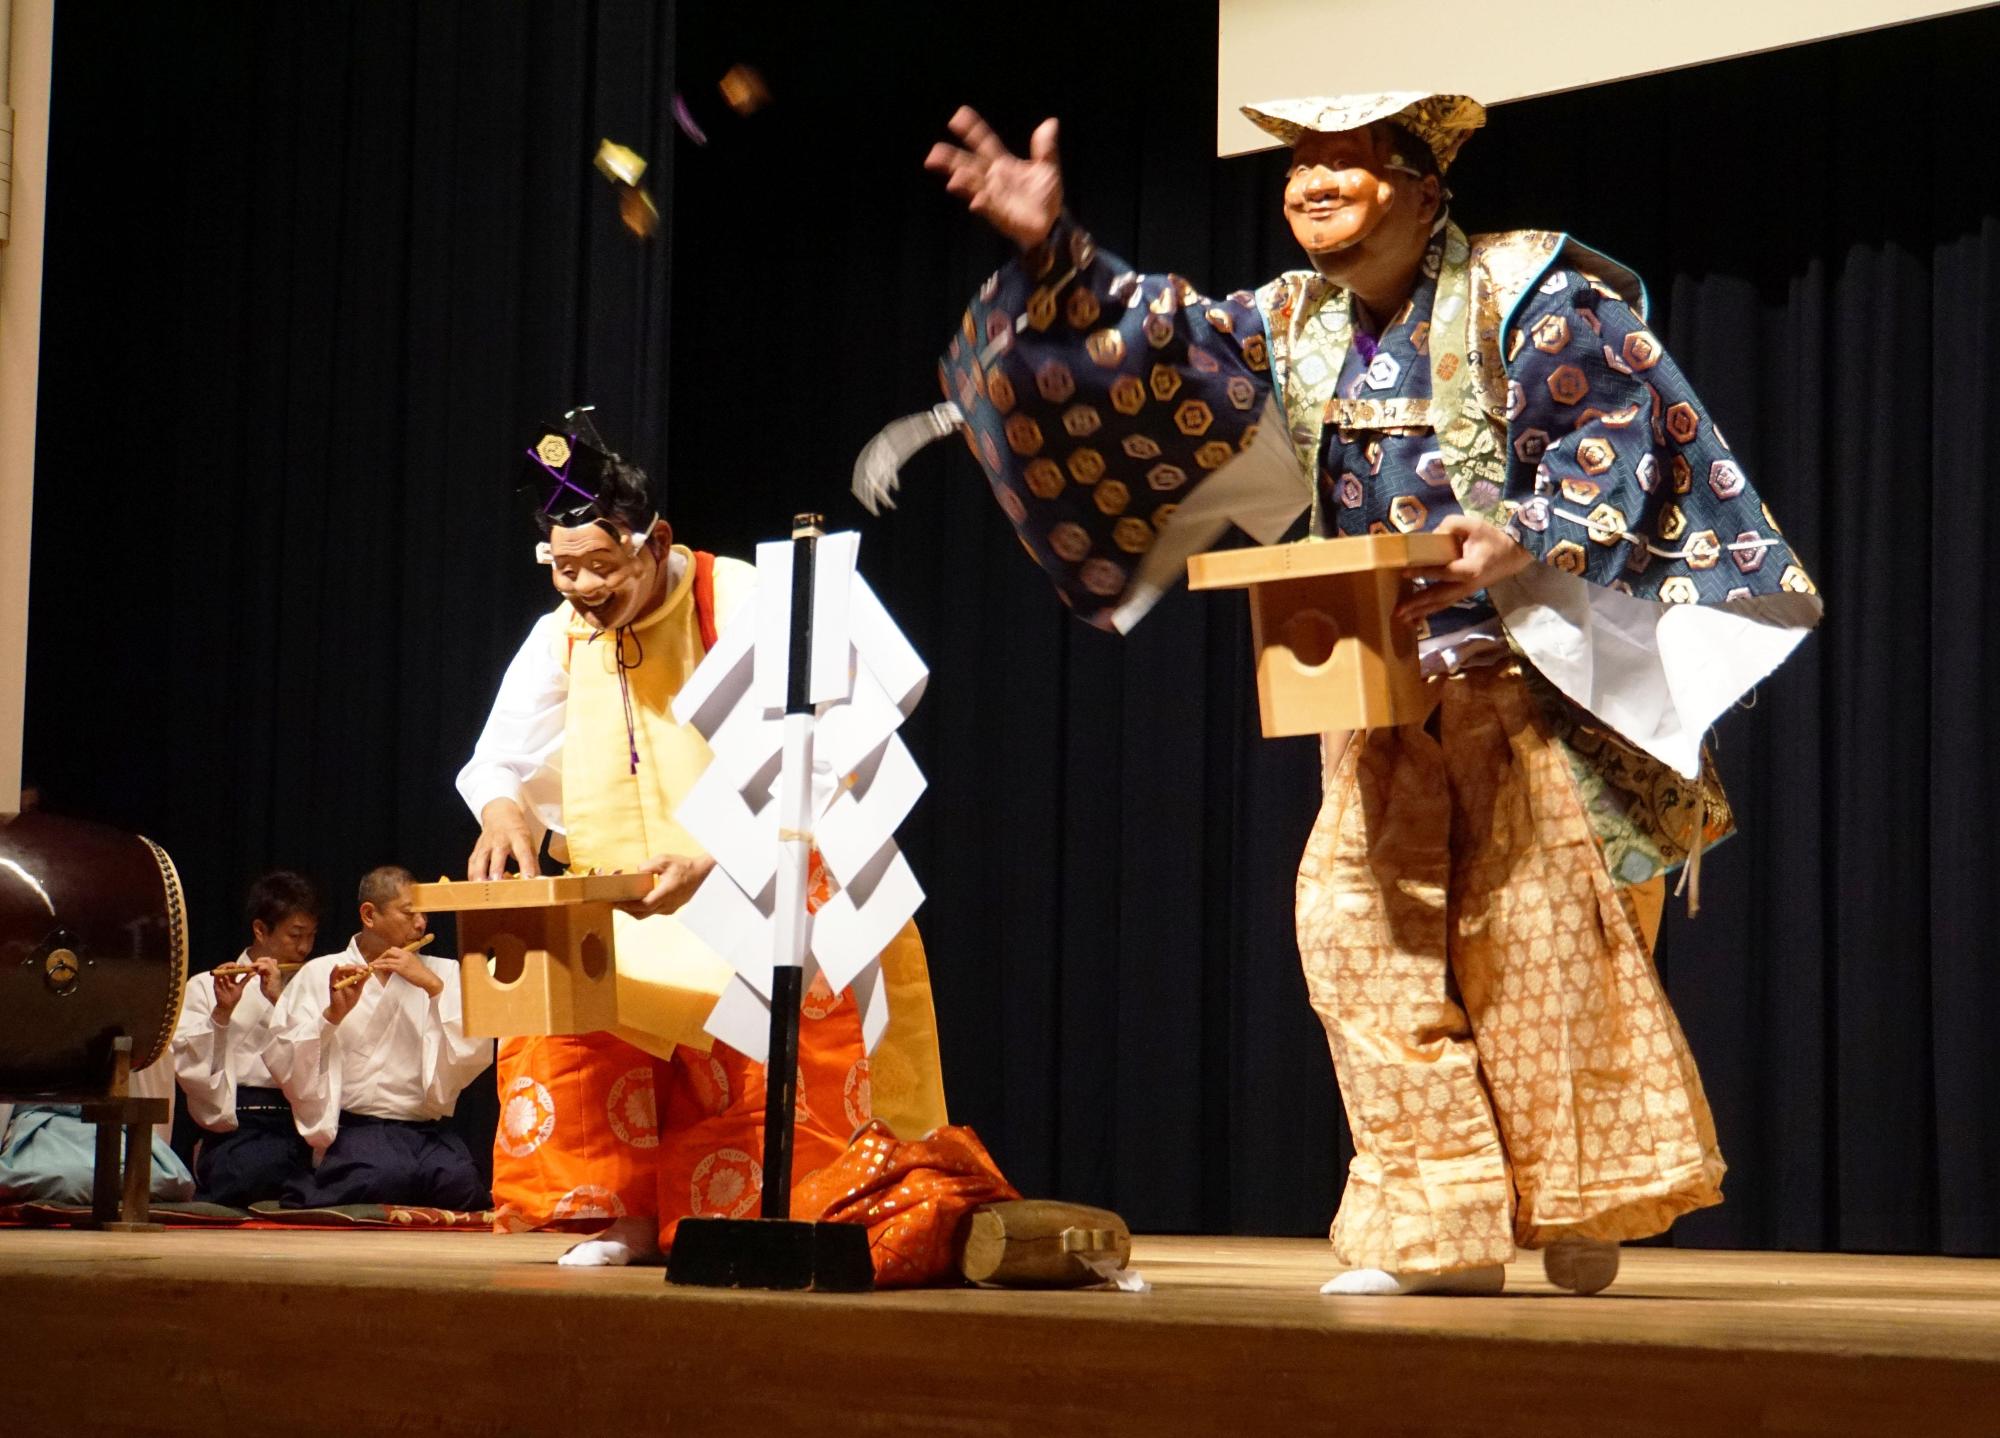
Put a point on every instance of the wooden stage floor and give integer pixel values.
(260, 1332)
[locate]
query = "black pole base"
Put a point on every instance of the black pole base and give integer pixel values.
(778, 1253)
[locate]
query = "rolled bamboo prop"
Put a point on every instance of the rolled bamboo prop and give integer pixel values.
(1042, 1243)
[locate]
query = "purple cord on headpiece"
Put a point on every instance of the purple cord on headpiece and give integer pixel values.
(563, 481)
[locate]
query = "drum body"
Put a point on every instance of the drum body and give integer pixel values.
(93, 944)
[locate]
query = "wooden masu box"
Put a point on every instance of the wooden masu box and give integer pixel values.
(1331, 655)
(536, 956)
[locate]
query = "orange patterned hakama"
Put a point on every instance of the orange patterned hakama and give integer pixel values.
(592, 1128)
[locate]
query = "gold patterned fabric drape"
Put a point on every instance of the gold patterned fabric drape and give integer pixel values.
(1509, 1063)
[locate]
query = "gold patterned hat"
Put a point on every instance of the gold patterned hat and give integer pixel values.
(1441, 121)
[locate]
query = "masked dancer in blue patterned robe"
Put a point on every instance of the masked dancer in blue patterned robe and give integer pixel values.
(1477, 899)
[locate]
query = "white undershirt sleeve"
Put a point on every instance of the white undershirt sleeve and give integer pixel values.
(201, 1058)
(1660, 674)
(1262, 491)
(519, 753)
(450, 1059)
(300, 1050)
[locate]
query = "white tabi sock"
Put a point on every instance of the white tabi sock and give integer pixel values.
(1581, 1265)
(628, 1240)
(1379, 1282)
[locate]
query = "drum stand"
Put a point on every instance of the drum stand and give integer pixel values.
(120, 1193)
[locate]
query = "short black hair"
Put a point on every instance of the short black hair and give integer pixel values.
(277, 896)
(624, 496)
(381, 884)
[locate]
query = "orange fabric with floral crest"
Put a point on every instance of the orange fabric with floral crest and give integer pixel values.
(914, 1195)
(592, 1128)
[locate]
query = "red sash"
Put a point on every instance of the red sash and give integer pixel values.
(704, 597)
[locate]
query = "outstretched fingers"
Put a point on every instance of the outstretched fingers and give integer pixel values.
(969, 127)
(964, 171)
(948, 159)
(1019, 197)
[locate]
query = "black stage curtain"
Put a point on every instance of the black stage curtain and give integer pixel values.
(314, 272)
(276, 577)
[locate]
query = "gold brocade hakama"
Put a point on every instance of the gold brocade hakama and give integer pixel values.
(1510, 1066)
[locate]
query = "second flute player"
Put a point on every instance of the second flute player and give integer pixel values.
(249, 1148)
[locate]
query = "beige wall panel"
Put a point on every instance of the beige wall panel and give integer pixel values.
(1500, 50)
(26, 46)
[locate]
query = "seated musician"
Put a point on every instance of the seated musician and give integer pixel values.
(248, 1148)
(370, 1050)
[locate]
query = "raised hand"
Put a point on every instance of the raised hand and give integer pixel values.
(269, 978)
(1020, 198)
(341, 995)
(409, 967)
(228, 989)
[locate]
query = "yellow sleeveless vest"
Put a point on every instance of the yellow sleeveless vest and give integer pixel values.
(617, 818)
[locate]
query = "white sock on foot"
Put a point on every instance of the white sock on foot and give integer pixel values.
(1581, 1265)
(628, 1240)
(1490, 1279)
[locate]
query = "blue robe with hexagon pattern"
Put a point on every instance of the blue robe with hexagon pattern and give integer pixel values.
(1124, 420)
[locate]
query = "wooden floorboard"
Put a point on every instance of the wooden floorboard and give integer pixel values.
(211, 1333)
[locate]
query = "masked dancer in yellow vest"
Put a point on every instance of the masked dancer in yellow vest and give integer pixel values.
(623, 1134)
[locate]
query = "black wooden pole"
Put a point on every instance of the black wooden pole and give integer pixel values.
(781, 1068)
(774, 1250)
